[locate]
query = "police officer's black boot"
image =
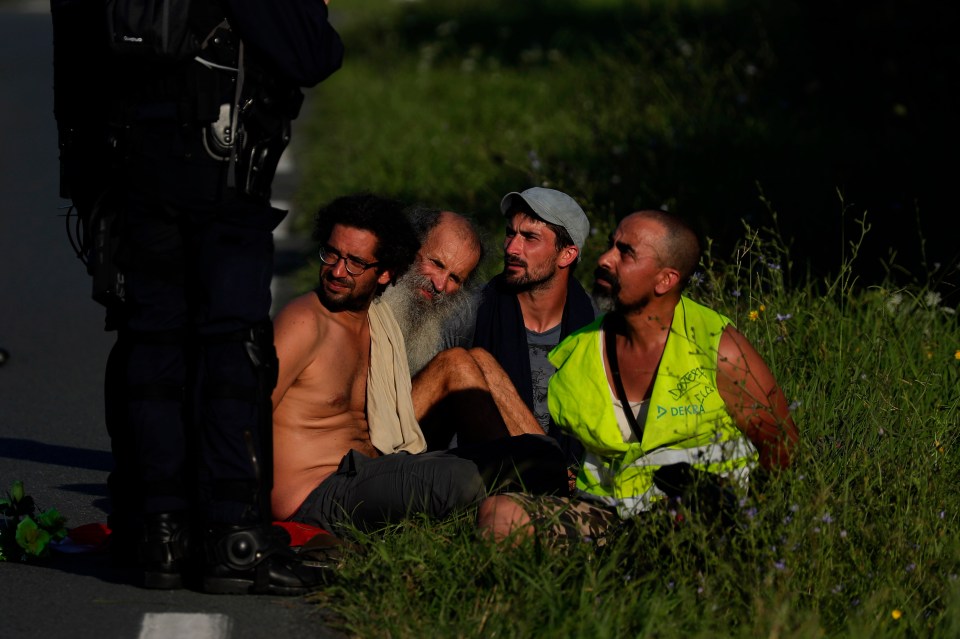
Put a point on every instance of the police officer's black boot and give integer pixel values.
(257, 560)
(167, 550)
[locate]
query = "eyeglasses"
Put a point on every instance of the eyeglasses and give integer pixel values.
(354, 266)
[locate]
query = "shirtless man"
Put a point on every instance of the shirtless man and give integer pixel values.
(348, 449)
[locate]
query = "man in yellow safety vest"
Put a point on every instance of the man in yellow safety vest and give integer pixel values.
(662, 392)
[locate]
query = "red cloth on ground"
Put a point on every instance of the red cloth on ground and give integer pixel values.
(90, 534)
(300, 533)
(83, 539)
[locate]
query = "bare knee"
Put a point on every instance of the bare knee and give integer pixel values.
(442, 376)
(452, 369)
(481, 356)
(500, 517)
(460, 360)
(451, 356)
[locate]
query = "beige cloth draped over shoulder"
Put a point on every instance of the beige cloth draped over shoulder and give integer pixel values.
(393, 424)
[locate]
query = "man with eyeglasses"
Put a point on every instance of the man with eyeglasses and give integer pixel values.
(348, 448)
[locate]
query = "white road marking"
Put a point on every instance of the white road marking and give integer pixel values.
(183, 625)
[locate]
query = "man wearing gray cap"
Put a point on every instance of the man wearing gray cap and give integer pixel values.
(536, 301)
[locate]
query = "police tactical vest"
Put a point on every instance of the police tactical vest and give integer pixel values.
(158, 29)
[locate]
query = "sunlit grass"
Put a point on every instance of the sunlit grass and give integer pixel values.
(458, 103)
(858, 539)
(442, 103)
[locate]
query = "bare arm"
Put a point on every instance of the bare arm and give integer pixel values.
(515, 413)
(295, 336)
(468, 393)
(755, 400)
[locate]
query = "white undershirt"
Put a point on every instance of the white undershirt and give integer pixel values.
(639, 410)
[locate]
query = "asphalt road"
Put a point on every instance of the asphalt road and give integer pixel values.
(51, 411)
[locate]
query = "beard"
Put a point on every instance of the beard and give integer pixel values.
(356, 298)
(528, 279)
(423, 321)
(607, 297)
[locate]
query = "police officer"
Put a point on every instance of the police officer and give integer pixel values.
(169, 139)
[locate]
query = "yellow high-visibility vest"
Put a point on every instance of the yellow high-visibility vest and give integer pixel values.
(686, 421)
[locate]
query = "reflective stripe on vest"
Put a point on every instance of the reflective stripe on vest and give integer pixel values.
(709, 454)
(730, 459)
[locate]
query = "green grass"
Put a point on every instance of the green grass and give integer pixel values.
(860, 530)
(676, 104)
(699, 107)
(458, 103)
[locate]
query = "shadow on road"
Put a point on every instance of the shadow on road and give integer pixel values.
(29, 450)
(98, 565)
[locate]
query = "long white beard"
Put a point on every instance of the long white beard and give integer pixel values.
(423, 322)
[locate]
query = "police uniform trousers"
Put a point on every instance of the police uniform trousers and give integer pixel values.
(189, 379)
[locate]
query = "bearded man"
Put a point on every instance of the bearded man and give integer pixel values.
(432, 301)
(348, 447)
(676, 409)
(536, 301)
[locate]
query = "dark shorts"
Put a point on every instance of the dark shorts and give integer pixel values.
(371, 492)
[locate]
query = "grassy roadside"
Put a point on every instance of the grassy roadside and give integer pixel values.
(857, 540)
(683, 105)
(704, 107)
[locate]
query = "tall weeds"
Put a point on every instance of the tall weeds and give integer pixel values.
(857, 539)
(456, 103)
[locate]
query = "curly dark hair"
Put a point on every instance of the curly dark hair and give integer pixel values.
(397, 242)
